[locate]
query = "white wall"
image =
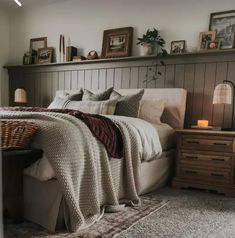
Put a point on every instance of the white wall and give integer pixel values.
(4, 54)
(84, 21)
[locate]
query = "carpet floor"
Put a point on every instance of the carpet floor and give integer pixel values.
(188, 214)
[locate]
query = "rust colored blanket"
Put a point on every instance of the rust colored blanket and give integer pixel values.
(104, 129)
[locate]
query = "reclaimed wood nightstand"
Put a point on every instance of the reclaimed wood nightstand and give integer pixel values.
(13, 164)
(206, 160)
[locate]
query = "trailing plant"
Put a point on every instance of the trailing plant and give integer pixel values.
(153, 37)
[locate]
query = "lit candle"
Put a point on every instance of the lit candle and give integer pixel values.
(202, 123)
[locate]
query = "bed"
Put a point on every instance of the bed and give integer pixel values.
(44, 202)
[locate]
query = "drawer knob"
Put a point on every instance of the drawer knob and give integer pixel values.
(217, 143)
(190, 172)
(217, 175)
(191, 157)
(217, 159)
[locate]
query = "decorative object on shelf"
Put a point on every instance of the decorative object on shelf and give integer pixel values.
(151, 42)
(178, 47)
(92, 55)
(45, 55)
(204, 38)
(62, 48)
(224, 94)
(26, 58)
(213, 45)
(20, 95)
(78, 58)
(117, 42)
(35, 44)
(71, 51)
(224, 24)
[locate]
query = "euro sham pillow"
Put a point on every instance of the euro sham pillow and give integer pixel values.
(89, 96)
(127, 105)
(93, 107)
(152, 110)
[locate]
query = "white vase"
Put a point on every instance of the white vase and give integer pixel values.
(146, 49)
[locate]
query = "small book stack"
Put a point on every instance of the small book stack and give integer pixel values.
(70, 53)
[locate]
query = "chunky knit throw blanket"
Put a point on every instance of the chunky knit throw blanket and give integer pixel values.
(101, 127)
(81, 164)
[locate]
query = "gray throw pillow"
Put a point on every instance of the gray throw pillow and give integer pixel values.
(76, 96)
(89, 96)
(127, 105)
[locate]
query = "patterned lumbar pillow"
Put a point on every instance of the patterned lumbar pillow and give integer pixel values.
(89, 96)
(94, 107)
(127, 105)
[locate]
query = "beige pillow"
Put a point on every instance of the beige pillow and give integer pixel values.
(151, 110)
(93, 107)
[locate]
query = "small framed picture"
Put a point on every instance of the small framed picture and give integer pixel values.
(178, 47)
(204, 37)
(224, 24)
(213, 45)
(45, 55)
(117, 42)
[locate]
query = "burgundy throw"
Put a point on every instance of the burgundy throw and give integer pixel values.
(104, 129)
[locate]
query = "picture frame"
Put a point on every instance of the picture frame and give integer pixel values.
(178, 47)
(45, 55)
(204, 37)
(224, 24)
(35, 44)
(213, 45)
(117, 42)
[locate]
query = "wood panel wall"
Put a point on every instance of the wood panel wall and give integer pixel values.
(198, 73)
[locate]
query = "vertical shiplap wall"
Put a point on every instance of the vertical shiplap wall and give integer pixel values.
(197, 73)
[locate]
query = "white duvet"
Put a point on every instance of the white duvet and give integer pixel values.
(148, 140)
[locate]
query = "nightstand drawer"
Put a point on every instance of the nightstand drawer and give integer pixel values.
(210, 160)
(206, 143)
(205, 175)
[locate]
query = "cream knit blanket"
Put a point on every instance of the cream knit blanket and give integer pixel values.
(81, 164)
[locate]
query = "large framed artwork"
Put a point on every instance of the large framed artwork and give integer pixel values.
(224, 24)
(117, 42)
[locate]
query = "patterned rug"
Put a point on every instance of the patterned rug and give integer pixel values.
(109, 226)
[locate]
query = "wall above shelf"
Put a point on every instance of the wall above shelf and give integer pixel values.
(131, 58)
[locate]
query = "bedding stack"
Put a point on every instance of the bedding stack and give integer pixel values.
(89, 176)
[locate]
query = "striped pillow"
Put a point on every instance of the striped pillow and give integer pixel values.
(93, 107)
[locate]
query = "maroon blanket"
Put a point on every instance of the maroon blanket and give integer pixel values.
(101, 127)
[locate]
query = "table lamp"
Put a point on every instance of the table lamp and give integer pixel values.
(224, 94)
(20, 96)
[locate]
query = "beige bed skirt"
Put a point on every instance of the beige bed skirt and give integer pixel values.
(43, 201)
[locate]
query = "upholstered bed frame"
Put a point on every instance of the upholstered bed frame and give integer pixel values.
(43, 199)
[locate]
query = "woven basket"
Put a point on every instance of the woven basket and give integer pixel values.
(16, 134)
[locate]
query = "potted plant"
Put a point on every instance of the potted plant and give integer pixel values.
(152, 42)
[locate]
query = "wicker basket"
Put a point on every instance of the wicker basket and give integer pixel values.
(16, 134)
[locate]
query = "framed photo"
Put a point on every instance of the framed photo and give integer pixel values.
(178, 47)
(213, 45)
(35, 44)
(224, 24)
(117, 42)
(204, 37)
(45, 55)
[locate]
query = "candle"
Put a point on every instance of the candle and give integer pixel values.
(202, 123)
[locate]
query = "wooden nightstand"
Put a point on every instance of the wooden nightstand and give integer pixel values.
(13, 164)
(206, 160)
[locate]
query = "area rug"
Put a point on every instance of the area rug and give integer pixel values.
(109, 226)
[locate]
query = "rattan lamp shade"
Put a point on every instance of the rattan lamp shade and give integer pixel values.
(20, 95)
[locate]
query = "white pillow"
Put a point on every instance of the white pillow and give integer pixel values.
(58, 103)
(151, 110)
(95, 107)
